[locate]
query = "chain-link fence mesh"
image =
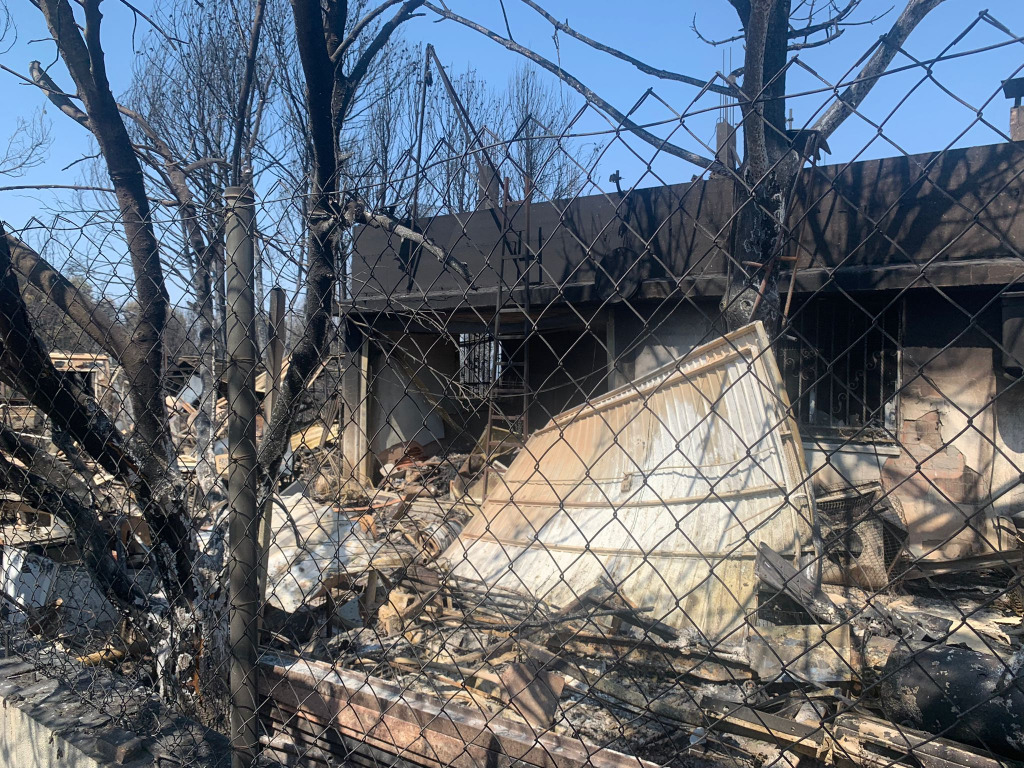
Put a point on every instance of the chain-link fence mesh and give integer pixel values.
(538, 497)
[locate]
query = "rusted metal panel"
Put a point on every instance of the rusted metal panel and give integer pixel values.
(665, 487)
(421, 728)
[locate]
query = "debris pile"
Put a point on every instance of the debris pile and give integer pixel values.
(638, 601)
(432, 477)
(603, 671)
(650, 580)
(452, 475)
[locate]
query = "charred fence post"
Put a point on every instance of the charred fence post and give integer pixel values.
(243, 556)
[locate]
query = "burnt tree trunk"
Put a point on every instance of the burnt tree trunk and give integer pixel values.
(26, 366)
(765, 179)
(324, 224)
(160, 490)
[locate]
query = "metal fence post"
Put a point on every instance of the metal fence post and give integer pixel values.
(242, 480)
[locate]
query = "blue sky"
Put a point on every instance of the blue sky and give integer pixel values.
(657, 31)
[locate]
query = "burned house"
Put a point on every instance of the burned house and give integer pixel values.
(900, 352)
(596, 524)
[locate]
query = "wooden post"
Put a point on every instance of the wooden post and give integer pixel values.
(354, 394)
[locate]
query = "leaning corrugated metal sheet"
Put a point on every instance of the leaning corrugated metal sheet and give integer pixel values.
(665, 487)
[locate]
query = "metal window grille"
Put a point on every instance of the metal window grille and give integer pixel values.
(840, 359)
(476, 363)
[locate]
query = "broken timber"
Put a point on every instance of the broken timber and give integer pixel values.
(851, 740)
(370, 720)
(778, 574)
(423, 730)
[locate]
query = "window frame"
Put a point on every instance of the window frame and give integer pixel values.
(890, 404)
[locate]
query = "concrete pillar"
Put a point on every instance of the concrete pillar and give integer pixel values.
(1017, 123)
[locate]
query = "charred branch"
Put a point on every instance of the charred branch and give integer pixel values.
(655, 141)
(65, 295)
(245, 93)
(83, 55)
(644, 67)
(355, 76)
(47, 485)
(161, 492)
(175, 176)
(710, 41)
(25, 365)
(815, 43)
(885, 50)
(831, 23)
(833, 26)
(57, 97)
(357, 213)
(358, 27)
(323, 226)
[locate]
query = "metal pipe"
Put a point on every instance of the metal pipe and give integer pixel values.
(243, 547)
(275, 361)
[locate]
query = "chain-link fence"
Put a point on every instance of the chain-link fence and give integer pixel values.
(569, 472)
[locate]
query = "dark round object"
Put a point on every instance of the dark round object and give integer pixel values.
(958, 694)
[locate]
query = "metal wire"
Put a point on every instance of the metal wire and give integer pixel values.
(564, 512)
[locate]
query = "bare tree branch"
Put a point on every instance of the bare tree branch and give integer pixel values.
(663, 74)
(245, 92)
(27, 146)
(358, 71)
(105, 331)
(832, 21)
(55, 95)
(72, 187)
(25, 365)
(815, 43)
(357, 213)
(709, 41)
(358, 27)
(152, 23)
(84, 59)
(587, 93)
(887, 47)
(202, 163)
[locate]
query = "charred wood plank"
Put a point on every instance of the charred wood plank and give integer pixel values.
(778, 574)
(852, 740)
(398, 720)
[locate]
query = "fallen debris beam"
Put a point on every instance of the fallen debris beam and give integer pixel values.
(778, 574)
(851, 740)
(421, 728)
